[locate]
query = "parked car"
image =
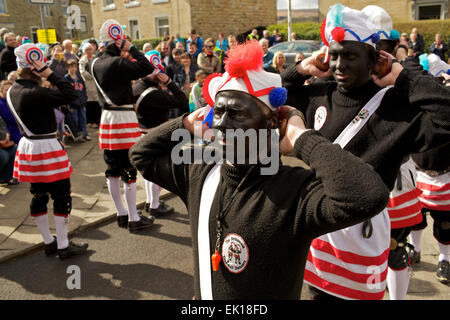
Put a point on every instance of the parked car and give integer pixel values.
(290, 49)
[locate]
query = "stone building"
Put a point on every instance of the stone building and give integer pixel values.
(151, 18)
(24, 19)
(399, 10)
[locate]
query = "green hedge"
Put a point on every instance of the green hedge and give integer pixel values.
(303, 30)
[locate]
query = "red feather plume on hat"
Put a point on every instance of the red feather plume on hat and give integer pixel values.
(244, 57)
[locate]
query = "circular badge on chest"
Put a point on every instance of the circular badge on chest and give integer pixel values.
(320, 117)
(235, 253)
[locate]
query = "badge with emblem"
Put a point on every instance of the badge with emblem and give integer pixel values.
(320, 117)
(361, 115)
(235, 253)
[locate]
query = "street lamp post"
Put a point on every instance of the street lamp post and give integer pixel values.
(289, 21)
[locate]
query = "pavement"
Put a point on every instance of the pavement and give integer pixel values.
(91, 203)
(92, 206)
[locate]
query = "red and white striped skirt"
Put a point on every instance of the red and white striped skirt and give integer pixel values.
(118, 130)
(404, 207)
(346, 265)
(435, 191)
(41, 161)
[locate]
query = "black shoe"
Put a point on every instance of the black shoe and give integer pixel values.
(144, 223)
(443, 272)
(414, 256)
(162, 209)
(147, 207)
(72, 250)
(51, 248)
(122, 221)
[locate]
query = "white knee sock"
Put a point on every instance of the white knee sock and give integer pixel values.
(416, 236)
(444, 250)
(114, 191)
(62, 226)
(130, 198)
(397, 283)
(42, 225)
(153, 191)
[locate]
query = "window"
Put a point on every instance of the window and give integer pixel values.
(134, 29)
(162, 25)
(2, 6)
(108, 2)
(429, 12)
(83, 21)
(64, 8)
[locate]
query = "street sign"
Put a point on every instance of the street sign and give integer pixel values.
(46, 35)
(41, 2)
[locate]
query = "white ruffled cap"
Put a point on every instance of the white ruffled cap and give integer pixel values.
(356, 25)
(260, 85)
(381, 19)
(111, 30)
(27, 53)
(436, 66)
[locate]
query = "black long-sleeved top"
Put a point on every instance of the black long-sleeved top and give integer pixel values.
(276, 215)
(414, 116)
(154, 108)
(114, 75)
(8, 60)
(34, 104)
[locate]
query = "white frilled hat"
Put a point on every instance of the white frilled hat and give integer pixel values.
(245, 73)
(111, 30)
(436, 66)
(26, 54)
(382, 21)
(343, 23)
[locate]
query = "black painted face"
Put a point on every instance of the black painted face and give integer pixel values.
(350, 63)
(239, 110)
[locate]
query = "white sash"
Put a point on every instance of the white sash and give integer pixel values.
(360, 120)
(98, 86)
(143, 95)
(204, 252)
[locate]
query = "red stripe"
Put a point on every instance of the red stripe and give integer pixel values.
(340, 271)
(405, 197)
(59, 214)
(116, 146)
(407, 222)
(43, 167)
(119, 126)
(40, 156)
(349, 257)
(430, 187)
(436, 197)
(406, 211)
(43, 179)
(434, 206)
(341, 290)
(123, 135)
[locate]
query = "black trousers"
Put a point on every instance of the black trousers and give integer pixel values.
(93, 112)
(60, 194)
(119, 165)
(441, 224)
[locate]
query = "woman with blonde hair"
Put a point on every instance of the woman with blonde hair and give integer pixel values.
(278, 63)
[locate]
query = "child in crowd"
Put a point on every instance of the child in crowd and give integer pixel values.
(78, 115)
(196, 99)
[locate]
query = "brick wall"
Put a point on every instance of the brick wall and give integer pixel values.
(208, 17)
(235, 16)
(399, 10)
(21, 17)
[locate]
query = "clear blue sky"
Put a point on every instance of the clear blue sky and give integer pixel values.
(298, 4)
